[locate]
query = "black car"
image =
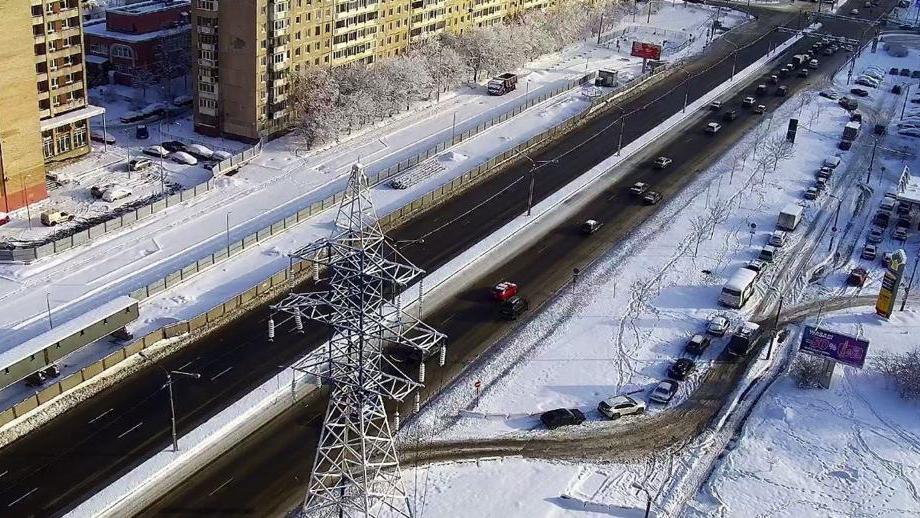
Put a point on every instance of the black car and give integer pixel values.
(36, 379)
(915, 74)
(730, 115)
(859, 92)
(881, 219)
(781, 91)
(893, 71)
(698, 344)
(512, 308)
(803, 72)
(761, 89)
(173, 146)
(52, 371)
(905, 72)
(845, 145)
(141, 132)
(681, 369)
(562, 417)
(651, 198)
(847, 103)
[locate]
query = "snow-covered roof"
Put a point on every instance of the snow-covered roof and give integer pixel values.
(70, 117)
(96, 60)
(151, 6)
(62, 331)
(909, 191)
(100, 30)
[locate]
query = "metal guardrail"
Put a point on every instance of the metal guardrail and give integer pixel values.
(237, 161)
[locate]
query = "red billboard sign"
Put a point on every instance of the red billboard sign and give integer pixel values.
(646, 50)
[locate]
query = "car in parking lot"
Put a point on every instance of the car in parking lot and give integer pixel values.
(718, 325)
(905, 72)
(97, 191)
(844, 145)
(757, 266)
(875, 235)
(182, 157)
(116, 193)
(619, 406)
(102, 136)
(157, 151)
(829, 95)
(713, 128)
(777, 238)
(761, 89)
(664, 391)
(139, 164)
(682, 368)
(562, 417)
(859, 92)
(899, 233)
(199, 151)
(697, 344)
(662, 162)
(651, 198)
(803, 72)
(857, 277)
(893, 71)
(173, 145)
(869, 252)
(638, 188)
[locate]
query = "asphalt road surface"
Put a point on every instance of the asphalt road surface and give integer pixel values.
(52, 469)
(266, 474)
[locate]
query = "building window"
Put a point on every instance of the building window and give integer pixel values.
(122, 51)
(79, 137)
(48, 146)
(63, 143)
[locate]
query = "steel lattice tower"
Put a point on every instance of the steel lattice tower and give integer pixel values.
(356, 470)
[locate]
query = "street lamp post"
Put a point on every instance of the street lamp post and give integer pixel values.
(172, 403)
(910, 283)
(533, 176)
(648, 497)
(830, 245)
(779, 309)
(228, 233)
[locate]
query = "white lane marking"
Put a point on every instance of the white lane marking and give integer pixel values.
(21, 498)
(221, 373)
(218, 488)
(129, 430)
(100, 416)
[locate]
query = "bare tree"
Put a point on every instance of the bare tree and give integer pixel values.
(806, 371)
(901, 368)
(144, 78)
(698, 228)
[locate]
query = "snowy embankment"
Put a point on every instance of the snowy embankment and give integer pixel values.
(165, 469)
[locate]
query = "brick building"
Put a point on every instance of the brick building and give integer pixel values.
(140, 42)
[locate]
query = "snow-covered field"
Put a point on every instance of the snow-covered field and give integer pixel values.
(849, 451)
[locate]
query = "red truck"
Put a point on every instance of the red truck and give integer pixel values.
(504, 291)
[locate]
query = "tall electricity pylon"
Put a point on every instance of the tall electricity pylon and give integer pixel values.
(356, 470)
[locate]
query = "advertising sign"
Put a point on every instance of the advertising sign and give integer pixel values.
(890, 284)
(836, 346)
(646, 50)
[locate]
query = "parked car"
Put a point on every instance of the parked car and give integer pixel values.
(662, 162)
(803, 72)
(857, 277)
(905, 72)
(504, 291)
(102, 136)
(638, 188)
(869, 252)
(199, 151)
(811, 193)
(875, 235)
(139, 164)
(183, 158)
(562, 417)
(651, 198)
(761, 89)
(859, 92)
(757, 266)
(697, 344)
(900, 233)
(51, 218)
(141, 132)
(173, 145)
(514, 307)
(618, 406)
(664, 391)
(183, 100)
(4, 218)
(718, 325)
(845, 145)
(221, 155)
(682, 368)
(116, 193)
(829, 95)
(713, 128)
(590, 226)
(893, 71)
(777, 238)
(97, 191)
(157, 151)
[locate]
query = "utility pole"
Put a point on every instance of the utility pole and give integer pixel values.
(871, 160)
(907, 90)
(622, 127)
(600, 29)
(533, 179)
(779, 309)
(910, 283)
(48, 305)
(228, 233)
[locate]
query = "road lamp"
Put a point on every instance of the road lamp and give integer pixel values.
(779, 309)
(228, 233)
(169, 385)
(836, 216)
(648, 497)
(533, 170)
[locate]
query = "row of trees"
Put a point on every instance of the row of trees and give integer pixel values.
(328, 103)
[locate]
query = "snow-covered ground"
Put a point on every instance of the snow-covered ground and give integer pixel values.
(849, 451)
(276, 184)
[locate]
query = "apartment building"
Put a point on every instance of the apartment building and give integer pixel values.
(244, 51)
(44, 113)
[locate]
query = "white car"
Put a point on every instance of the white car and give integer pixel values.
(778, 238)
(102, 136)
(618, 406)
(713, 127)
(115, 194)
(183, 100)
(664, 391)
(718, 325)
(221, 155)
(199, 151)
(183, 158)
(157, 151)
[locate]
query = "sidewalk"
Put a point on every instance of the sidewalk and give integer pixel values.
(276, 184)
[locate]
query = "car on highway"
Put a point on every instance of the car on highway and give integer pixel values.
(743, 339)
(857, 277)
(697, 344)
(157, 151)
(618, 406)
(761, 89)
(781, 91)
(682, 368)
(638, 188)
(35, 379)
(748, 102)
(514, 307)
(869, 252)
(562, 417)
(718, 325)
(713, 128)
(875, 235)
(730, 115)
(715, 106)
(590, 226)
(664, 392)
(662, 162)
(504, 291)
(651, 198)
(811, 193)
(859, 92)
(777, 238)
(760, 109)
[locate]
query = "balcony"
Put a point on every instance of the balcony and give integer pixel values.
(72, 50)
(204, 110)
(206, 29)
(283, 65)
(211, 63)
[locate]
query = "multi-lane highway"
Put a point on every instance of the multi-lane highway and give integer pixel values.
(55, 467)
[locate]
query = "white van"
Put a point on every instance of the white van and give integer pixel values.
(739, 288)
(790, 217)
(832, 162)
